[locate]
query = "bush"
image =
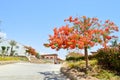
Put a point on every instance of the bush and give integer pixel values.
(37, 55)
(75, 58)
(109, 58)
(77, 65)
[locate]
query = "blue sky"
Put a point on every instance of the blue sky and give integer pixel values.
(31, 21)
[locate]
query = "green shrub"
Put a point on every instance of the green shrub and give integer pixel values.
(37, 55)
(109, 58)
(75, 58)
(106, 75)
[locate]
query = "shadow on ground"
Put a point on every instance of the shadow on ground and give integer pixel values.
(52, 75)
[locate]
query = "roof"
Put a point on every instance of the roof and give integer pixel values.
(60, 59)
(93, 52)
(49, 55)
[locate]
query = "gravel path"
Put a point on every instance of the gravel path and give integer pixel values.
(30, 71)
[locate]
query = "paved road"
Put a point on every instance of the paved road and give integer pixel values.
(29, 71)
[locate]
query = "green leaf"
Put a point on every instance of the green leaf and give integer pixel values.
(56, 45)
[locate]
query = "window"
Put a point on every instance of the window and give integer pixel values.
(47, 57)
(51, 57)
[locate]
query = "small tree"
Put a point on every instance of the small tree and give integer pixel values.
(3, 50)
(85, 33)
(12, 43)
(30, 51)
(37, 56)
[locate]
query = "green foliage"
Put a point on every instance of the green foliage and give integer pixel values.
(109, 58)
(37, 55)
(114, 43)
(95, 70)
(3, 48)
(77, 64)
(12, 43)
(73, 56)
(107, 75)
(11, 58)
(81, 63)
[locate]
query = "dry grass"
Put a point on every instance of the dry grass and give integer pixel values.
(95, 71)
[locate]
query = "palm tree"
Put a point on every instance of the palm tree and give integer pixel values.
(12, 44)
(114, 43)
(3, 50)
(7, 50)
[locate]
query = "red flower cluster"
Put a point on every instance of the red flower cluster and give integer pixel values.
(85, 32)
(30, 50)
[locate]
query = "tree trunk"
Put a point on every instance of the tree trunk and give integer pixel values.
(2, 54)
(86, 59)
(11, 52)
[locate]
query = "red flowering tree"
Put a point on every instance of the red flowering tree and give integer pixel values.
(83, 33)
(30, 50)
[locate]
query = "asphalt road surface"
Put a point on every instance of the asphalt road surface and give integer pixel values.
(30, 71)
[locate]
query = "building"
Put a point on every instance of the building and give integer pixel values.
(52, 57)
(93, 53)
(18, 48)
(59, 60)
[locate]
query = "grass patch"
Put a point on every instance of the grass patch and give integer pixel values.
(107, 75)
(95, 70)
(13, 58)
(80, 64)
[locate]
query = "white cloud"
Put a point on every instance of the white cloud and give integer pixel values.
(2, 35)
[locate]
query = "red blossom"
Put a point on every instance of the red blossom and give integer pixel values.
(85, 32)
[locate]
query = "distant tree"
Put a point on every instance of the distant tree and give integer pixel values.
(12, 43)
(30, 51)
(17, 47)
(74, 54)
(114, 43)
(37, 55)
(3, 50)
